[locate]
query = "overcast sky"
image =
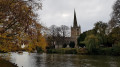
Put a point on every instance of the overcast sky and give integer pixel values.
(61, 12)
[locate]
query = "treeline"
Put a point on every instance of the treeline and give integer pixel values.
(56, 34)
(19, 25)
(104, 36)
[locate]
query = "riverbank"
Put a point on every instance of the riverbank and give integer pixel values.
(64, 60)
(67, 51)
(111, 51)
(4, 63)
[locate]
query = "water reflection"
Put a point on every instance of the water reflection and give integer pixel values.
(63, 60)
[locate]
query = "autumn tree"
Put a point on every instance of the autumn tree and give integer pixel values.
(18, 22)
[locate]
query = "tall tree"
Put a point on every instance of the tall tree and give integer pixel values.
(101, 27)
(114, 24)
(64, 30)
(18, 21)
(81, 38)
(57, 34)
(116, 14)
(115, 36)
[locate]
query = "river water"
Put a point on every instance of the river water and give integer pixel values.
(63, 60)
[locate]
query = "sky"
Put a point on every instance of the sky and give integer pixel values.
(88, 12)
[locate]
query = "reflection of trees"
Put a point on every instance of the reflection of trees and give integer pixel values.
(38, 62)
(90, 61)
(58, 60)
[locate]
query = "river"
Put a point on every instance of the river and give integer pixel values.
(63, 60)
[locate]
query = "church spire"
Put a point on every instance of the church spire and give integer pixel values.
(75, 20)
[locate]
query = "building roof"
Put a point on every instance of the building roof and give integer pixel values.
(75, 20)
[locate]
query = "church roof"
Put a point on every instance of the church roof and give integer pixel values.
(75, 20)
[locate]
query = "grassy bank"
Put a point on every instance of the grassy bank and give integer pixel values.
(114, 51)
(67, 51)
(4, 63)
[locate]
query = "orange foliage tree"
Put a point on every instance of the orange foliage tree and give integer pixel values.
(18, 24)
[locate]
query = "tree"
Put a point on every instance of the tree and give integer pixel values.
(57, 34)
(101, 28)
(51, 35)
(18, 23)
(61, 31)
(64, 45)
(115, 35)
(52, 30)
(115, 23)
(64, 30)
(92, 42)
(116, 14)
(81, 38)
(16, 15)
(101, 31)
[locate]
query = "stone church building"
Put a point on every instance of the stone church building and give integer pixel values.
(75, 32)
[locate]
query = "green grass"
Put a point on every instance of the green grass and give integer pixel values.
(114, 51)
(66, 51)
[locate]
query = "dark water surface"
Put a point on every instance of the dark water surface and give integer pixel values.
(63, 60)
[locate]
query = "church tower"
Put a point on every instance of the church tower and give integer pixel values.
(75, 30)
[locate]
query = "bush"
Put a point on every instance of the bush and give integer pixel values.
(70, 51)
(39, 50)
(64, 45)
(51, 51)
(108, 51)
(72, 44)
(63, 51)
(116, 51)
(82, 51)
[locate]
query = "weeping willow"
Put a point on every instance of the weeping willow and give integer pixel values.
(92, 42)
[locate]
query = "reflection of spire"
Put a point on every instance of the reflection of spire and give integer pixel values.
(75, 19)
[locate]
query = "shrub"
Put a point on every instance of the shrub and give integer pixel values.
(109, 51)
(63, 51)
(115, 51)
(82, 51)
(72, 44)
(64, 45)
(39, 49)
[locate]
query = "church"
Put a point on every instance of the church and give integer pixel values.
(75, 32)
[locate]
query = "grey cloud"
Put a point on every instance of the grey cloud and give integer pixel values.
(88, 12)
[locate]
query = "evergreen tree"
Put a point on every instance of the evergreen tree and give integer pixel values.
(81, 38)
(72, 44)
